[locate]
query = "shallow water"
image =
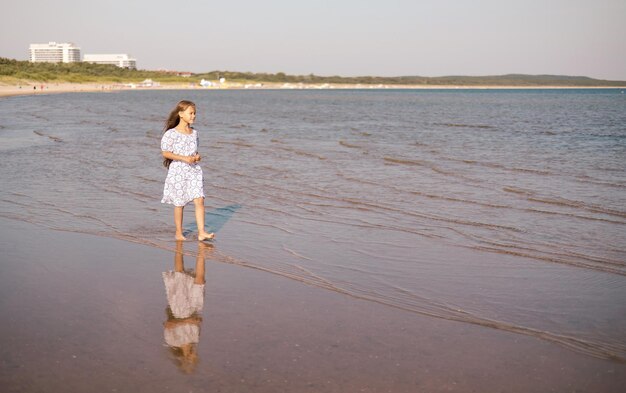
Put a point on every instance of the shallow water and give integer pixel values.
(504, 208)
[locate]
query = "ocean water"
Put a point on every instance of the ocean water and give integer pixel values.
(500, 208)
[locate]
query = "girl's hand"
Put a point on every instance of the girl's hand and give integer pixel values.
(193, 159)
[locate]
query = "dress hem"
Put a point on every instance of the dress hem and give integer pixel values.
(170, 202)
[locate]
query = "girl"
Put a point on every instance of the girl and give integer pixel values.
(185, 298)
(179, 147)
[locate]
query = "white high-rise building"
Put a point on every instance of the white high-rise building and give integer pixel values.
(120, 60)
(53, 52)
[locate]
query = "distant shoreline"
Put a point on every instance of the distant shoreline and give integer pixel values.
(79, 74)
(9, 90)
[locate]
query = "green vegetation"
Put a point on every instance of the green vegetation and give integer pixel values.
(14, 71)
(501, 80)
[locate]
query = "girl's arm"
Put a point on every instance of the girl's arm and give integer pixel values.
(188, 159)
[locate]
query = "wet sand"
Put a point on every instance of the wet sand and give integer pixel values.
(86, 313)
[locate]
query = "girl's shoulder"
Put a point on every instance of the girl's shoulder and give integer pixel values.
(174, 131)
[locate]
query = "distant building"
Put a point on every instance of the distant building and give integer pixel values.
(120, 60)
(53, 52)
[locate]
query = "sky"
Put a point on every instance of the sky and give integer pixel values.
(335, 37)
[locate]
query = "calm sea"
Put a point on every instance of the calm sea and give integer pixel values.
(500, 208)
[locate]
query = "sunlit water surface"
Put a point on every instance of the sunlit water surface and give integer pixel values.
(505, 208)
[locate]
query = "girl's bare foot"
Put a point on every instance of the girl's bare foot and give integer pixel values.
(205, 236)
(180, 237)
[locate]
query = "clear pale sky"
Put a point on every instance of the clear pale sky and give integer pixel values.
(335, 37)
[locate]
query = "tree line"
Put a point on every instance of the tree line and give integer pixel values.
(82, 72)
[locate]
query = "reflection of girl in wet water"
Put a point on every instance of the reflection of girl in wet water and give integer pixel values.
(185, 297)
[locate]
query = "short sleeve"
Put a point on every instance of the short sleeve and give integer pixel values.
(167, 142)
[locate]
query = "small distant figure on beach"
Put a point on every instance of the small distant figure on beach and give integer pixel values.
(184, 181)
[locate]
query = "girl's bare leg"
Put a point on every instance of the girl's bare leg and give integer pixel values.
(178, 221)
(202, 248)
(179, 262)
(202, 234)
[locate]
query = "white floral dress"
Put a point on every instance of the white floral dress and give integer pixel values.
(185, 299)
(184, 181)
(184, 296)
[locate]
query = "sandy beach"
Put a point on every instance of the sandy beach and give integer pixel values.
(88, 313)
(50, 88)
(34, 88)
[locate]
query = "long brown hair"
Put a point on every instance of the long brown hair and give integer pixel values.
(172, 121)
